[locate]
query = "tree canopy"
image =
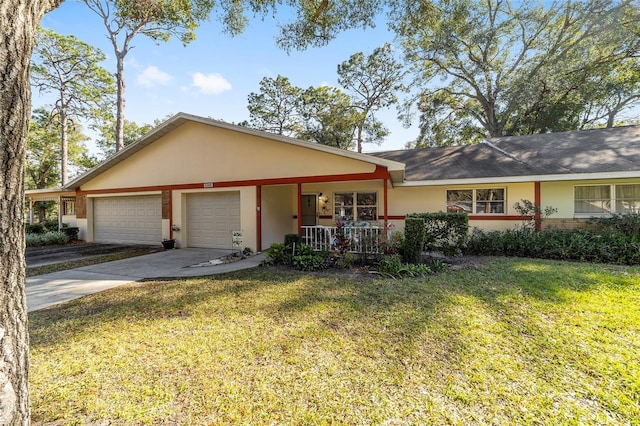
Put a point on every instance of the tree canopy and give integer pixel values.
(69, 68)
(495, 67)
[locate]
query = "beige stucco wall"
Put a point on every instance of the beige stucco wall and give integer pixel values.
(559, 195)
(195, 153)
(277, 218)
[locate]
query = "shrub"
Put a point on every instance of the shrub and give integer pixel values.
(34, 228)
(71, 232)
(346, 261)
(304, 258)
(628, 224)
(414, 232)
(392, 267)
(279, 254)
(292, 239)
(608, 246)
(444, 232)
(47, 239)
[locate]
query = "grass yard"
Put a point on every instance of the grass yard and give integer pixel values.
(507, 342)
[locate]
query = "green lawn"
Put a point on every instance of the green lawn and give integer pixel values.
(508, 342)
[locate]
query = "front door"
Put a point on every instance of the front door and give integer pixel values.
(309, 210)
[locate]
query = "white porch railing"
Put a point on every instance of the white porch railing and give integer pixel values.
(363, 239)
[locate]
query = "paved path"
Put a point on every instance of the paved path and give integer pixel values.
(57, 287)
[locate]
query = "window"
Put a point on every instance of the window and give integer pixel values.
(606, 199)
(476, 201)
(594, 199)
(68, 206)
(627, 199)
(355, 206)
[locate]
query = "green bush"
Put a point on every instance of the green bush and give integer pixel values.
(346, 261)
(71, 232)
(279, 254)
(444, 232)
(34, 228)
(304, 258)
(414, 233)
(292, 239)
(47, 239)
(607, 246)
(628, 224)
(392, 267)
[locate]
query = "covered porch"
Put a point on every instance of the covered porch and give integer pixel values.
(65, 200)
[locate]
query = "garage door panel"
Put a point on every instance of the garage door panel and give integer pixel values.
(212, 218)
(128, 220)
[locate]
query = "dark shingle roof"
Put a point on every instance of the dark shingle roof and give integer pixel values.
(585, 151)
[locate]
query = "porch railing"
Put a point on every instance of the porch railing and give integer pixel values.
(362, 239)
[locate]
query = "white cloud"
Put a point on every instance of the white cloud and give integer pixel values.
(211, 84)
(152, 76)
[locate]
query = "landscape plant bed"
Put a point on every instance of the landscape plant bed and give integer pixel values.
(508, 341)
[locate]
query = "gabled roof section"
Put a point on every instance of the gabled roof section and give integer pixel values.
(395, 169)
(549, 156)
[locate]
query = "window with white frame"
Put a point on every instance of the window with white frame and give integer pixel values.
(354, 206)
(606, 199)
(476, 201)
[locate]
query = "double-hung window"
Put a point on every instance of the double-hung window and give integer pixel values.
(606, 199)
(476, 201)
(354, 206)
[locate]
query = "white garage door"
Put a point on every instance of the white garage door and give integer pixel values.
(128, 220)
(212, 218)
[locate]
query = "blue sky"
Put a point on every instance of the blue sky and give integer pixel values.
(213, 75)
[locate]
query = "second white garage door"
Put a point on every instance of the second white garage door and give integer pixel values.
(212, 218)
(128, 220)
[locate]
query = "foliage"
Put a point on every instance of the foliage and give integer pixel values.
(302, 257)
(532, 214)
(276, 108)
(510, 68)
(626, 224)
(584, 245)
(69, 69)
(292, 239)
(328, 118)
(373, 83)
(347, 260)
(444, 232)
(343, 241)
(44, 151)
(414, 237)
(41, 227)
(305, 259)
(132, 132)
(71, 232)
(47, 239)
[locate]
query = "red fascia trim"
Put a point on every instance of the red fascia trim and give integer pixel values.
(380, 172)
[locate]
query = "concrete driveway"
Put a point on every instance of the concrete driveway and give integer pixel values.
(57, 287)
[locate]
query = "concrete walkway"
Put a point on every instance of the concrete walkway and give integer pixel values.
(57, 287)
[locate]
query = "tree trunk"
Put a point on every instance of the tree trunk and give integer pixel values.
(64, 141)
(120, 100)
(18, 22)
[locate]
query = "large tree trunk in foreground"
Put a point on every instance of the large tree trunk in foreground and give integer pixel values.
(18, 22)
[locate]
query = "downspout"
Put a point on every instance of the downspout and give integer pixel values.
(538, 204)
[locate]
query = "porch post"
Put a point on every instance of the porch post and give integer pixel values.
(259, 217)
(386, 203)
(60, 207)
(299, 208)
(538, 203)
(30, 211)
